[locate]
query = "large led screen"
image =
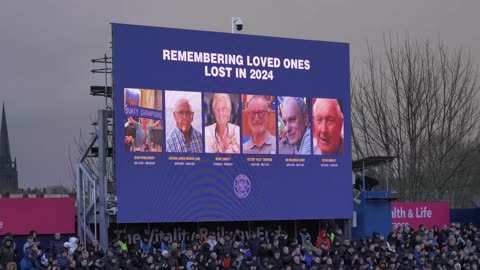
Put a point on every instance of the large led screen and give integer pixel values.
(227, 127)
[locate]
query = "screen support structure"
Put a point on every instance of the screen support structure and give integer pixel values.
(92, 187)
(96, 202)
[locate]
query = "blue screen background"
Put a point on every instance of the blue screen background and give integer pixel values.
(168, 193)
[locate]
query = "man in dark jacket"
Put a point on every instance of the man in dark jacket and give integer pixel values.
(7, 252)
(253, 244)
(56, 245)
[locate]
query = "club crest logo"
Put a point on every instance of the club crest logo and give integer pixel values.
(242, 186)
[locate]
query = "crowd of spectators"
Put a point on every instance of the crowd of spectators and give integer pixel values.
(449, 247)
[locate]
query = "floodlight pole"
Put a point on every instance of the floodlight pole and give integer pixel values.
(93, 218)
(103, 220)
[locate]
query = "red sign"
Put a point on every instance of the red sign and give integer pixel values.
(416, 213)
(44, 215)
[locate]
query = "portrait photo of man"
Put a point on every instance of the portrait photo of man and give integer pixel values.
(222, 133)
(258, 125)
(183, 122)
(327, 127)
(294, 126)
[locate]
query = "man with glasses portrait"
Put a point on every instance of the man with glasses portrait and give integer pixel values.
(261, 141)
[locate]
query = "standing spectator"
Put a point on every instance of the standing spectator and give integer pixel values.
(30, 242)
(33, 233)
(63, 259)
(165, 243)
(323, 238)
(303, 235)
(253, 244)
(95, 250)
(28, 262)
(146, 244)
(211, 241)
(56, 245)
(307, 245)
(7, 252)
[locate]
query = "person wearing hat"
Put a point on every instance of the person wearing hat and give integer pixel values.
(123, 260)
(323, 239)
(43, 263)
(7, 252)
(161, 261)
(303, 235)
(307, 244)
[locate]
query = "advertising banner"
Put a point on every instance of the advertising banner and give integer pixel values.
(416, 213)
(44, 215)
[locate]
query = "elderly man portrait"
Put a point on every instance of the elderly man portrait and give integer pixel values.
(296, 138)
(261, 141)
(327, 127)
(222, 136)
(184, 138)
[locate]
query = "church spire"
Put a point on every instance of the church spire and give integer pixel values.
(5, 157)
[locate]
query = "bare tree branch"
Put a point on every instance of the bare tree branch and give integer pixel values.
(420, 102)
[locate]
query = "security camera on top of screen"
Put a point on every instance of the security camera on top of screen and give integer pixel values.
(294, 130)
(143, 120)
(258, 124)
(221, 117)
(183, 115)
(327, 122)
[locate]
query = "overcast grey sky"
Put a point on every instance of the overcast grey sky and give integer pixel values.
(46, 47)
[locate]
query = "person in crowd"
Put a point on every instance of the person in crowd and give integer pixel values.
(297, 134)
(28, 261)
(7, 252)
(184, 138)
(211, 241)
(327, 127)
(261, 141)
(63, 259)
(146, 244)
(253, 244)
(95, 250)
(141, 143)
(302, 235)
(56, 245)
(29, 244)
(323, 239)
(372, 252)
(222, 136)
(33, 233)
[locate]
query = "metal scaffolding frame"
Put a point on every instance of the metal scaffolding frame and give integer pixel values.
(95, 207)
